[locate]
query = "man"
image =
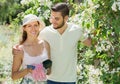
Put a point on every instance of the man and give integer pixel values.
(63, 37)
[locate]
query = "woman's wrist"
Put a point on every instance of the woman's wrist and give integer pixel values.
(28, 70)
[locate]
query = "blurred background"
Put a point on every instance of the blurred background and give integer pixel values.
(98, 64)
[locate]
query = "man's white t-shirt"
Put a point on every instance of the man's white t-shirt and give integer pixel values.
(63, 51)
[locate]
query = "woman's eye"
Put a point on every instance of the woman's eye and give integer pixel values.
(29, 26)
(36, 25)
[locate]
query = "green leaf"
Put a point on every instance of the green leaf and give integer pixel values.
(96, 24)
(88, 25)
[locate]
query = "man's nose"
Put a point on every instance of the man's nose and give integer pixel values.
(52, 20)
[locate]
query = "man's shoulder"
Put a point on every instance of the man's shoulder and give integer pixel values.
(74, 26)
(47, 28)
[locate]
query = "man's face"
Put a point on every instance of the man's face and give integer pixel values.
(57, 20)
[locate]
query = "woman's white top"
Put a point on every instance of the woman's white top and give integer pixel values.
(29, 60)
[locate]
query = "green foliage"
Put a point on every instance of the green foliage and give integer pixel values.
(98, 64)
(9, 10)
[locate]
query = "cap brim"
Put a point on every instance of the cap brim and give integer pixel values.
(42, 24)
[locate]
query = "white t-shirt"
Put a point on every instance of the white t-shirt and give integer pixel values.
(63, 52)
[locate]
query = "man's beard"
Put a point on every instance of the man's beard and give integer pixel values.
(60, 25)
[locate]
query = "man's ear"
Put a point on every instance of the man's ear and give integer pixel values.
(66, 18)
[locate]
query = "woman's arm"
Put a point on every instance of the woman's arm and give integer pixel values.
(16, 72)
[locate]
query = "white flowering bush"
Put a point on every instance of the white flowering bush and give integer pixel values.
(100, 63)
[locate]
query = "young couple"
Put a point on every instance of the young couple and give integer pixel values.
(55, 44)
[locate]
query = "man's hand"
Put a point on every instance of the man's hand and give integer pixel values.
(88, 42)
(16, 50)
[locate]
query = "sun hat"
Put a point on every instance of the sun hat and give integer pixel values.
(30, 18)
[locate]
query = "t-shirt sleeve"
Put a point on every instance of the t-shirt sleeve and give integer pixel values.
(41, 35)
(84, 34)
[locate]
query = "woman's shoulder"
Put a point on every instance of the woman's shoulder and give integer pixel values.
(43, 42)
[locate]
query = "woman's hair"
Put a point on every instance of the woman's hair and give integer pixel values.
(61, 7)
(24, 35)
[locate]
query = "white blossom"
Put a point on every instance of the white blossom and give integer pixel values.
(25, 1)
(114, 7)
(115, 4)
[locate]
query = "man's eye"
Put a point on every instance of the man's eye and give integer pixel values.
(56, 18)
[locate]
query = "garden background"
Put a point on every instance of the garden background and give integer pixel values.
(98, 64)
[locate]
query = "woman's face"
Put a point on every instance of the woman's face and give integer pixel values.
(32, 29)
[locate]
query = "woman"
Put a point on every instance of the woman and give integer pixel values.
(35, 52)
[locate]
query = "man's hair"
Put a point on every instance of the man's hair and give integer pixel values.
(61, 7)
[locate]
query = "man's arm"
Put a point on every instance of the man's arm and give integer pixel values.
(87, 42)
